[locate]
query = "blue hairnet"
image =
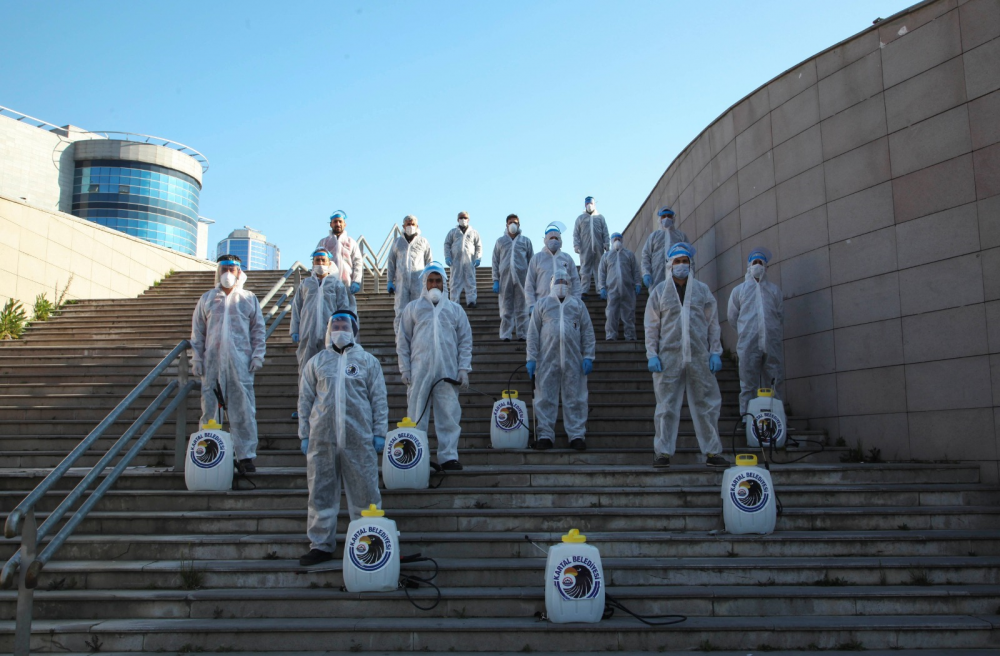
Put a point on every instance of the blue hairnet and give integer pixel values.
(665, 211)
(681, 248)
(759, 254)
(339, 214)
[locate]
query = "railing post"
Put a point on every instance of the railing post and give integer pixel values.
(180, 417)
(25, 595)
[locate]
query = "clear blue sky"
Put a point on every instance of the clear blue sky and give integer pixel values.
(384, 109)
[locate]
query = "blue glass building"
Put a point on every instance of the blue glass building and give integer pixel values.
(252, 248)
(144, 200)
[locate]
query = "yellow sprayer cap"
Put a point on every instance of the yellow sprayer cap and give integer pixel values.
(574, 536)
(746, 460)
(406, 423)
(373, 511)
(765, 392)
(510, 394)
(211, 424)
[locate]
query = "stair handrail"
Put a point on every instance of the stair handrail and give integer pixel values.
(375, 262)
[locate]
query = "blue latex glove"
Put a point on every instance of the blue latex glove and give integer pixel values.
(476, 263)
(355, 287)
(496, 286)
(604, 293)
(530, 310)
(447, 261)
(304, 446)
(588, 366)
(715, 364)
(638, 289)
(390, 287)
(646, 280)
(654, 365)
(531, 368)
(295, 338)
(378, 442)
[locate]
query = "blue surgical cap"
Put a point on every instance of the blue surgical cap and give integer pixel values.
(759, 254)
(588, 199)
(666, 211)
(681, 248)
(616, 235)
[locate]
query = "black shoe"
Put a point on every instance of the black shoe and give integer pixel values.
(578, 444)
(471, 305)
(715, 460)
(506, 339)
(315, 557)
(451, 465)
(584, 297)
(543, 444)
(661, 462)
(246, 466)
(522, 339)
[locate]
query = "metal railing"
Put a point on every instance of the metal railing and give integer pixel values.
(375, 262)
(26, 564)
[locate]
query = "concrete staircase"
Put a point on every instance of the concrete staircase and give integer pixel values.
(900, 556)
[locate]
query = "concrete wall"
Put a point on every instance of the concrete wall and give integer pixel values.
(40, 249)
(37, 164)
(872, 172)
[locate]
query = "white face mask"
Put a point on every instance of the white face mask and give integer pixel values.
(617, 245)
(554, 244)
(463, 223)
(513, 228)
(591, 208)
(757, 270)
(666, 222)
(321, 269)
(410, 230)
(561, 290)
(341, 338)
(228, 279)
(434, 295)
(681, 270)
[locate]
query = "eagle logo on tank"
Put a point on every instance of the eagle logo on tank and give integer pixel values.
(353, 370)
(370, 548)
(405, 451)
(577, 578)
(766, 427)
(749, 491)
(508, 417)
(208, 451)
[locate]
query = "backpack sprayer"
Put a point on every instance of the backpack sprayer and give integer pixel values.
(211, 458)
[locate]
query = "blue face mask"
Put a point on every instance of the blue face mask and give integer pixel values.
(681, 270)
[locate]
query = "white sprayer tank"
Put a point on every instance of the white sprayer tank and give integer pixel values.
(371, 553)
(574, 581)
(767, 421)
(209, 461)
(509, 429)
(406, 459)
(748, 504)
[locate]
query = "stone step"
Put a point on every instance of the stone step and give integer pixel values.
(772, 651)
(619, 633)
(533, 476)
(506, 601)
(830, 545)
(588, 520)
(704, 496)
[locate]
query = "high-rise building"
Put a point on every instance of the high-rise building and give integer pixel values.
(144, 186)
(252, 248)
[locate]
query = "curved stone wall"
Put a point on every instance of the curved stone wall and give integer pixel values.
(872, 172)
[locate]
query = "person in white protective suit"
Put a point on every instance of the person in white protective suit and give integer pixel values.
(434, 341)
(618, 279)
(538, 282)
(685, 353)
(590, 241)
(343, 419)
(227, 349)
(318, 296)
(463, 252)
(658, 243)
(408, 257)
(511, 257)
(346, 255)
(561, 352)
(756, 311)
